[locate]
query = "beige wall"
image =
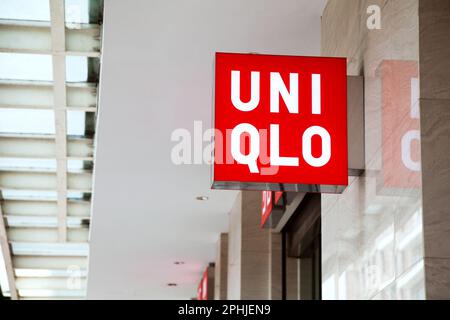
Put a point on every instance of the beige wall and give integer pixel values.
(221, 269)
(275, 266)
(234, 250)
(254, 254)
(434, 18)
(372, 233)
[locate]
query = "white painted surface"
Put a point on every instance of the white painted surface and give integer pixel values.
(157, 75)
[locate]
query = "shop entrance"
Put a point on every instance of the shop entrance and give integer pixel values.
(302, 278)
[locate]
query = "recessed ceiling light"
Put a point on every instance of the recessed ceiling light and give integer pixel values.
(171, 284)
(202, 198)
(179, 262)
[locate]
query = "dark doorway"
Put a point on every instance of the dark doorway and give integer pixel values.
(302, 265)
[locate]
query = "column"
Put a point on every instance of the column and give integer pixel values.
(434, 26)
(221, 270)
(250, 268)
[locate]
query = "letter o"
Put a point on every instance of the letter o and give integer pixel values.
(307, 148)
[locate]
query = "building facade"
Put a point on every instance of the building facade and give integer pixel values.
(385, 236)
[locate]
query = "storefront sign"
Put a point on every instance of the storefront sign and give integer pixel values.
(269, 199)
(281, 123)
(202, 291)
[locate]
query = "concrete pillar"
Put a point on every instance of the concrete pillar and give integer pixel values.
(292, 281)
(221, 269)
(211, 275)
(251, 269)
(275, 270)
(434, 43)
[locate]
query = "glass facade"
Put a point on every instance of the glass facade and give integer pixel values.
(372, 232)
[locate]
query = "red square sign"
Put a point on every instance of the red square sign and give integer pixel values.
(280, 123)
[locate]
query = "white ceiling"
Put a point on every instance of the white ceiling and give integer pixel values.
(156, 76)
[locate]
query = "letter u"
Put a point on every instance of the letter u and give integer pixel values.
(236, 91)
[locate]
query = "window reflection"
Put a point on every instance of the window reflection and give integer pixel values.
(376, 224)
(400, 124)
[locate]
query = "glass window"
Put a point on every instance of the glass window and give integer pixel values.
(77, 11)
(83, 11)
(76, 123)
(38, 10)
(82, 69)
(27, 121)
(77, 165)
(78, 196)
(27, 164)
(16, 194)
(24, 66)
(76, 69)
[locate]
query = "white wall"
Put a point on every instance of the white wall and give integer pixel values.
(156, 76)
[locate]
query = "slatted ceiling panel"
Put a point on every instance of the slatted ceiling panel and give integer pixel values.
(17, 221)
(30, 208)
(83, 39)
(39, 94)
(36, 294)
(80, 148)
(79, 181)
(75, 208)
(40, 262)
(27, 180)
(27, 165)
(53, 298)
(42, 147)
(35, 37)
(46, 283)
(49, 249)
(79, 209)
(37, 208)
(16, 147)
(32, 235)
(43, 181)
(49, 273)
(82, 95)
(26, 93)
(46, 234)
(18, 35)
(60, 282)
